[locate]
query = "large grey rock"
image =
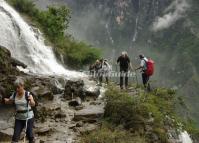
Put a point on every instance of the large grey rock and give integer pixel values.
(44, 130)
(90, 113)
(6, 135)
(42, 92)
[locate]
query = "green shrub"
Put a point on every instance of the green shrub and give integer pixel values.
(54, 22)
(77, 54)
(130, 115)
(135, 112)
(108, 134)
(24, 6)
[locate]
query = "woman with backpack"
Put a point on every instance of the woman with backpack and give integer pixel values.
(24, 118)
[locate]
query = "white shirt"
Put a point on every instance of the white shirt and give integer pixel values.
(143, 63)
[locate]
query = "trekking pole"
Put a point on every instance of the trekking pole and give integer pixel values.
(135, 74)
(117, 73)
(136, 78)
(26, 124)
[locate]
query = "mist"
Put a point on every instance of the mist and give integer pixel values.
(176, 10)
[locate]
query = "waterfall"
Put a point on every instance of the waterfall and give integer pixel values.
(28, 46)
(184, 137)
(136, 29)
(109, 33)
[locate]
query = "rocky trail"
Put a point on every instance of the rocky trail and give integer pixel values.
(65, 107)
(57, 119)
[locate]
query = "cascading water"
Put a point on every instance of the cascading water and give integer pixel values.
(184, 137)
(28, 46)
(109, 34)
(136, 29)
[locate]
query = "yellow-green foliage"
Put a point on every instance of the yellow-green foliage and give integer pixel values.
(132, 111)
(129, 115)
(108, 134)
(77, 53)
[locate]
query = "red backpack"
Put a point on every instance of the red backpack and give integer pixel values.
(150, 67)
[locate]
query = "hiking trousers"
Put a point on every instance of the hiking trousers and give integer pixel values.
(145, 79)
(123, 74)
(19, 126)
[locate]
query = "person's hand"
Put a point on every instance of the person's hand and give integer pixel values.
(30, 98)
(6, 100)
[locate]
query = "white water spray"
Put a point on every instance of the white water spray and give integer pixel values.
(184, 137)
(28, 46)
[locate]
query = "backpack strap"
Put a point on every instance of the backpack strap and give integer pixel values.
(26, 96)
(14, 96)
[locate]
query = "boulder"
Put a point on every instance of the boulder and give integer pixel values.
(6, 135)
(6, 67)
(75, 102)
(74, 89)
(42, 92)
(92, 92)
(89, 114)
(16, 62)
(44, 130)
(87, 128)
(60, 114)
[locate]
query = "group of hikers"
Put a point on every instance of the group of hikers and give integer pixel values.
(101, 68)
(24, 101)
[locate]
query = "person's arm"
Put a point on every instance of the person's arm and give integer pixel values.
(141, 65)
(31, 100)
(131, 66)
(118, 60)
(139, 68)
(8, 101)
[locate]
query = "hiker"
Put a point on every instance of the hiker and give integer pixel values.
(105, 70)
(124, 63)
(92, 70)
(98, 67)
(147, 68)
(24, 117)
